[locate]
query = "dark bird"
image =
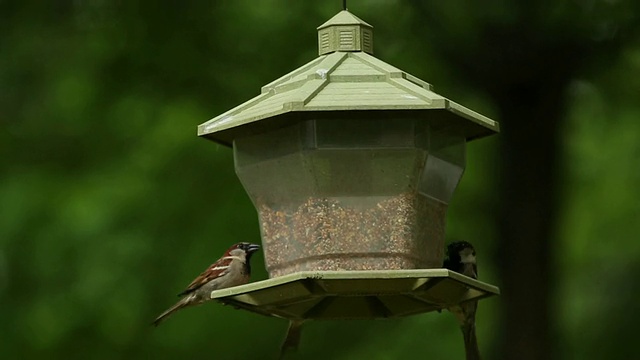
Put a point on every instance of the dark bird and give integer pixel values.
(461, 258)
(232, 269)
(292, 340)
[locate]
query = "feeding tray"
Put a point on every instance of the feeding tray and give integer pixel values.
(370, 294)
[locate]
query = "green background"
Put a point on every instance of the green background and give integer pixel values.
(110, 204)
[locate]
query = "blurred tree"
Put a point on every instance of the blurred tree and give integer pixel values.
(524, 55)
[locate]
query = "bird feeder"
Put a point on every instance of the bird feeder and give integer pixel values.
(350, 163)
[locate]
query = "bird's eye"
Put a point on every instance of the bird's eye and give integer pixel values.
(473, 253)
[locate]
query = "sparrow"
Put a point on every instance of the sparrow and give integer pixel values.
(232, 269)
(461, 258)
(292, 340)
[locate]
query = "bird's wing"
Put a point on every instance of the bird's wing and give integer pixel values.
(216, 270)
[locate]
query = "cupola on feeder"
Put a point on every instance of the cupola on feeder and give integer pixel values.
(350, 163)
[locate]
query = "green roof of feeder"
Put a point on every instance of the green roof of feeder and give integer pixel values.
(346, 77)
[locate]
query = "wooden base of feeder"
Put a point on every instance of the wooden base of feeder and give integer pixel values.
(372, 294)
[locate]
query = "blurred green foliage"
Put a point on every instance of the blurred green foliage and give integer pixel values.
(110, 204)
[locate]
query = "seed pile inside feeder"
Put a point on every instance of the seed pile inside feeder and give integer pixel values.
(382, 233)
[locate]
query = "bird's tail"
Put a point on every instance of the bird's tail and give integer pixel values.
(292, 340)
(179, 305)
(471, 349)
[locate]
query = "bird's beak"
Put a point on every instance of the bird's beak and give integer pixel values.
(253, 248)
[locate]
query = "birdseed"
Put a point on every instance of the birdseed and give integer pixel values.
(388, 233)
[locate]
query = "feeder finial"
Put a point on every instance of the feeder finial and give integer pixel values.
(345, 32)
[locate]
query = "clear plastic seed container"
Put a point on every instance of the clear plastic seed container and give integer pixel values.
(366, 192)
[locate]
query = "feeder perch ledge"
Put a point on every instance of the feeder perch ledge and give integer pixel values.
(330, 295)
